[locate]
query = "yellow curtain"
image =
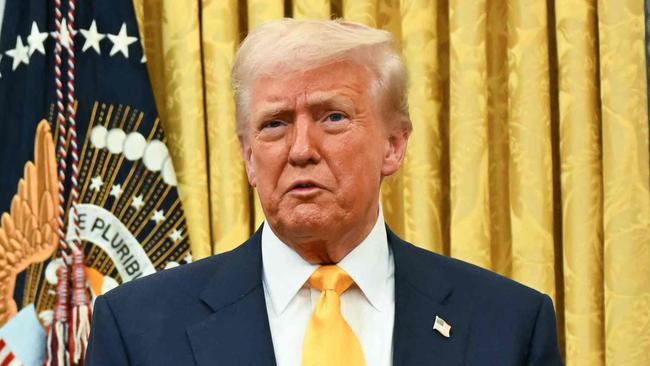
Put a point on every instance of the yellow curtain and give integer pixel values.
(529, 157)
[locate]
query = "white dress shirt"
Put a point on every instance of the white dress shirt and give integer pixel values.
(368, 305)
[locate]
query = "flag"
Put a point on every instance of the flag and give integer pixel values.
(7, 357)
(21, 340)
(129, 220)
(441, 326)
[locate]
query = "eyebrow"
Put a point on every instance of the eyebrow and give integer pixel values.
(271, 109)
(315, 100)
(328, 99)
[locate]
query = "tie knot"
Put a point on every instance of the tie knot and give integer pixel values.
(330, 278)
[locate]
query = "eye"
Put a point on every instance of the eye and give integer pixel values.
(274, 124)
(335, 117)
(272, 129)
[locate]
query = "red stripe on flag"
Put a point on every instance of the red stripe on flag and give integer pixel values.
(7, 360)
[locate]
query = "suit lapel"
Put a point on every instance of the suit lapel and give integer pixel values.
(237, 331)
(421, 293)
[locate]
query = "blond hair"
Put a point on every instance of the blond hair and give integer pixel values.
(290, 45)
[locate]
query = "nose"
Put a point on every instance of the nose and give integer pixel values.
(303, 143)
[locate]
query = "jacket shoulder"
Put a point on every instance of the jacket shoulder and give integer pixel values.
(484, 286)
(185, 281)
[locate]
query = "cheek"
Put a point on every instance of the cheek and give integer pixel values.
(358, 164)
(268, 160)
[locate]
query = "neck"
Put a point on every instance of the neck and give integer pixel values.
(333, 243)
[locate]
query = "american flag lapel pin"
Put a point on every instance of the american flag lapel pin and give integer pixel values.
(442, 327)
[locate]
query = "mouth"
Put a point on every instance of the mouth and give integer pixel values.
(305, 187)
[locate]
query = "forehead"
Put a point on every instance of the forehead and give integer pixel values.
(341, 82)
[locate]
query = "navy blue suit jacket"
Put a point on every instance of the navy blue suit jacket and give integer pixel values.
(213, 312)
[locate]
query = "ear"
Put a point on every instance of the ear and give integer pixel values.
(246, 154)
(395, 150)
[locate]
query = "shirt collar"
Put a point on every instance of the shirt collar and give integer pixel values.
(369, 265)
(284, 270)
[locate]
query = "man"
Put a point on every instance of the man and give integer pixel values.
(322, 119)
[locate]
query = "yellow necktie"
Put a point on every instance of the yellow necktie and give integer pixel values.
(329, 339)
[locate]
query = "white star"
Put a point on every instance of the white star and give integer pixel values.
(188, 258)
(137, 202)
(144, 55)
(121, 41)
(116, 190)
(92, 38)
(96, 183)
(158, 216)
(176, 235)
(20, 54)
(36, 39)
(66, 34)
(0, 63)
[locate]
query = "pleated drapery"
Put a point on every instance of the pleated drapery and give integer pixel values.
(529, 155)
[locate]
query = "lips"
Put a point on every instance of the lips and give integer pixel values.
(304, 186)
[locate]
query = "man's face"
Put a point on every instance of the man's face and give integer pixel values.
(316, 149)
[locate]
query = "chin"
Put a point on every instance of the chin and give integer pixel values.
(307, 219)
